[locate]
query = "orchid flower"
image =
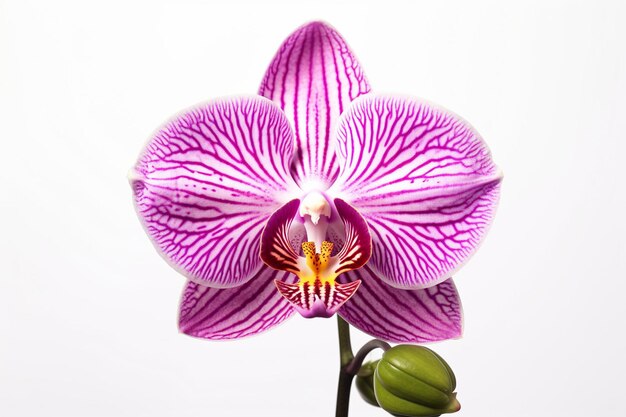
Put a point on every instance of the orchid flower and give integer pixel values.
(318, 197)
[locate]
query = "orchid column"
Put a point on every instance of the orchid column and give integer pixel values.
(317, 197)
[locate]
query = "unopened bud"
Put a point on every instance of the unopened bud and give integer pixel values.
(365, 382)
(415, 381)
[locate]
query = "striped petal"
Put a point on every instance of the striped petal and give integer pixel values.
(313, 78)
(424, 181)
(233, 313)
(403, 316)
(207, 182)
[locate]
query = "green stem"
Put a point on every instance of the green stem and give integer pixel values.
(345, 346)
(345, 378)
(355, 364)
(350, 364)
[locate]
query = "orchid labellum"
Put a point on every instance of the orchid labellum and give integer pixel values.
(319, 197)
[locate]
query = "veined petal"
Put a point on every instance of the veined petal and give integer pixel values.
(403, 316)
(425, 182)
(313, 77)
(232, 313)
(207, 182)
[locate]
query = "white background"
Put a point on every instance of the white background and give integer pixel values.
(88, 309)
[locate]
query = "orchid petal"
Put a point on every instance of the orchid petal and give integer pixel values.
(424, 181)
(232, 313)
(403, 316)
(206, 183)
(313, 77)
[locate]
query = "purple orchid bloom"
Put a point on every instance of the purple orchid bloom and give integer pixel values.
(319, 197)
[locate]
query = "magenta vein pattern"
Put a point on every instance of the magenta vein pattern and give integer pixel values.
(207, 183)
(233, 313)
(424, 181)
(403, 316)
(313, 78)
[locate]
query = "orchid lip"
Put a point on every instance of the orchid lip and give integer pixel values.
(316, 294)
(317, 299)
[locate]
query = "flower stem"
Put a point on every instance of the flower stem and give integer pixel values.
(345, 346)
(350, 364)
(355, 364)
(345, 378)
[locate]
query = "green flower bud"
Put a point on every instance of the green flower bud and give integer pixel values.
(365, 382)
(415, 381)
